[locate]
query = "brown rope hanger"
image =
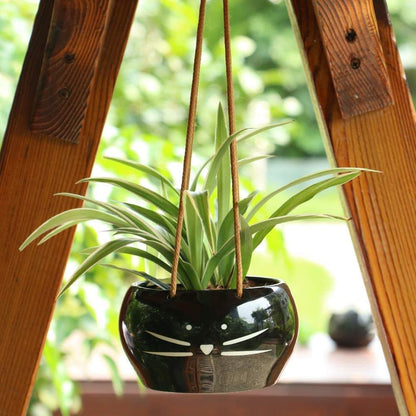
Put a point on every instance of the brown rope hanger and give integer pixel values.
(190, 133)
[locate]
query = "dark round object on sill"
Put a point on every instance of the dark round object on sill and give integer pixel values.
(351, 329)
(209, 341)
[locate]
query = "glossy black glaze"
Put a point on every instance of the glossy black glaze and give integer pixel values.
(351, 329)
(198, 324)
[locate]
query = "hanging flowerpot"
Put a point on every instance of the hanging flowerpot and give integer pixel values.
(204, 335)
(209, 341)
(219, 330)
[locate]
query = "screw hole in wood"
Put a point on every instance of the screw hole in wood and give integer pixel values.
(355, 63)
(351, 35)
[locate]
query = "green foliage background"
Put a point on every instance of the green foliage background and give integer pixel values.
(148, 118)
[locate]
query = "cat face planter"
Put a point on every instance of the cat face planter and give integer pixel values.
(209, 341)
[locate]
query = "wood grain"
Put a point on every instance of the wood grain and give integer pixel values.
(351, 41)
(69, 63)
(382, 206)
(33, 168)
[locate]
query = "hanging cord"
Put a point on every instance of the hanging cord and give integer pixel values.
(189, 143)
(190, 132)
(233, 148)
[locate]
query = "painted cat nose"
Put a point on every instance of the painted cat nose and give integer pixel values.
(206, 348)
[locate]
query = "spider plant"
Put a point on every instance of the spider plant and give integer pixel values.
(146, 228)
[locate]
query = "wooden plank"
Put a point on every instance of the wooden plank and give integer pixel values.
(98, 399)
(382, 205)
(353, 50)
(32, 169)
(70, 60)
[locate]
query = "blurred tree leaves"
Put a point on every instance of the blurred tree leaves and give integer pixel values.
(153, 86)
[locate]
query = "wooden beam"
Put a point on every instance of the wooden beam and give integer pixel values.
(32, 168)
(382, 206)
(69, 63)
(354, 54)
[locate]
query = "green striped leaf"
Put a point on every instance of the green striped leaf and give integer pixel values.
(249, 160)
(114, 209)
(148, 170)
(228, 246)
(307, 178)
(241, 135)
(57, 231)
(95, 257)
(142, 192)
(194, 231)
(303, 196)
(246, 240)
(200, 201)
(145, 276)
(262, 227)
(223, 176)
(225, 232)
(76, 215)
(134, 251)
(166, 222)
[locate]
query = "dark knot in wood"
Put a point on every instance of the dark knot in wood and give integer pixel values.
(69, 58)
(64, 93)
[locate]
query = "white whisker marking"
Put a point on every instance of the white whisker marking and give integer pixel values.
(170, 354)
(240, 353)
(245, 338)
(168, 339)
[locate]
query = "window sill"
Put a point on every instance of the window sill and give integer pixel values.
(319, 380)
(283, 399)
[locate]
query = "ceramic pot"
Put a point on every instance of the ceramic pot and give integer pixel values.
(209, 341)
(351, 329)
